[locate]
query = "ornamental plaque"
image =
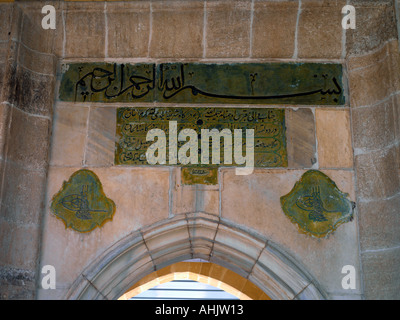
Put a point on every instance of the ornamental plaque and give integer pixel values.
(268, 125)
(316, 205)
(81, 202)
(222, 83)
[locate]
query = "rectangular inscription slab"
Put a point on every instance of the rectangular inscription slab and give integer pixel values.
(133, 124)
(235, 83)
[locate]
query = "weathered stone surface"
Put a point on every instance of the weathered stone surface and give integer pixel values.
(34, 92)
(5, 117)
(85, 30)
(69, 135)
(21, 203)
(374, 126)
(381, 276)
(128, 29)
(269, 39)
(284, 270)
(377, 174)
(202, 229)
(320, 29)
(16, 284)
(177, 29)
(379, 221)
(6, 10)
(300, 138)
(41, 63)
(32, 34)
(20, 247)
(28, 140)
(167, 247)
(375, 24)
(130, 189)
(100, 142)
(260, 210)
(371, 80)
(228, 29)
(334, 138)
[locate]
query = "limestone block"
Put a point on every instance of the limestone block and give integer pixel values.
(202, 230)
(169, 240)
(374, 126)
(69, 135)
(5, 116)
(177, 29)
(228, 29)
(311, 293)
(271, 286)
(100, 145)
(33, 35)
(379, 223)
(269, 38)
(85, 30)
(381, 274)
(320, 29)
(42, 63)
(377, 176)
(232, 240)
(396, 115)
(370, 80)
(300, 138)
(375, 24)
(17, 284)
(6, 10)
(20, 244)
(284, 270)
(193, 198)
(133, 260)
(128, 29)
(34, 92)
(21, 203)
(28, 140)
(334, 138)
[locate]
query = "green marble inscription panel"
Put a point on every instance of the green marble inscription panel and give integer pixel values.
(234, 83)
(268, 124)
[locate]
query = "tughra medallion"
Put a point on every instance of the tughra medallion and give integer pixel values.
(81, 202)
(316, 205)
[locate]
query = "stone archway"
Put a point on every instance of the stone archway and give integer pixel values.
(203, 272)
(195, 235)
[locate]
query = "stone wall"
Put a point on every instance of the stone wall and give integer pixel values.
(27, 80)
(373, 64)
(356, 145)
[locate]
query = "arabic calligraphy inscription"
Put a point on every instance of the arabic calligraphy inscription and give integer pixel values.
(236, 83)
(268, 124)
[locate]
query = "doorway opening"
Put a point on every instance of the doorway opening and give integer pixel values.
(195, 279)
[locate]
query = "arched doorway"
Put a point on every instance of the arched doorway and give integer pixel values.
(203, 272)
(195, 235)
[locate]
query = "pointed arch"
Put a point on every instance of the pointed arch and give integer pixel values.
(195, 235)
